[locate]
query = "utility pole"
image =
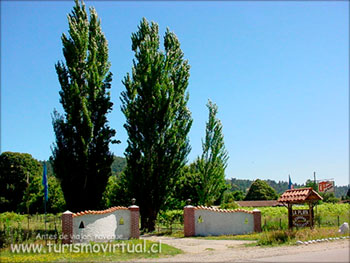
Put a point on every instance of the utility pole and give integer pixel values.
(27, 197)
(315, 189)
(315, 180)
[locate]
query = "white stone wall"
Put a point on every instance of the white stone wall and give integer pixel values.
(215, 223)
(102, 227)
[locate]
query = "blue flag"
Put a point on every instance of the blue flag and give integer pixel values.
(290, 184)
(46, 189)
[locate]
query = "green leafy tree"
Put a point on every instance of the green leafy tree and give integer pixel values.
(329, 198)
(312, 184)
(56, 202)
(21, 188)
(17, 172)
(260, 190)
(238, 195)
(157, 119)
(81, 157)
(212, 164)
(118, 165)
(116, 193)
(185, 188)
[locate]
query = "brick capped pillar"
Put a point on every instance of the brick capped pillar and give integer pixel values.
(189, 226)
(257, 220)
(134, 221)
(67, 227)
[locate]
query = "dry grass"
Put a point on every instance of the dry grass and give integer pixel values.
(280, 237)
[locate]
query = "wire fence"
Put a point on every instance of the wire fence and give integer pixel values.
(281, 223)
(16, 228)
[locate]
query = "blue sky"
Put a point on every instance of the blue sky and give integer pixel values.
(278, 71)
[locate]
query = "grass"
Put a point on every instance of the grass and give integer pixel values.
(252, 237)
(288, 237)
(174, 233)
(326, 214)
(119, 254)
(281, 237)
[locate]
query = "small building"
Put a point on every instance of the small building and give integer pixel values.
(300, 217)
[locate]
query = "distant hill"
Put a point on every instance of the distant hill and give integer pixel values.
(118, 165)
(280, 186)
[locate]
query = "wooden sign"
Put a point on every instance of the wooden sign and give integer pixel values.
(326, 186)
(301, 218)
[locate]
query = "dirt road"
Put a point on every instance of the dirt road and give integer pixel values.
(203, 250)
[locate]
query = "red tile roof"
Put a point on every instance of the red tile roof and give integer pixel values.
(109, 210)
(299, 195)
(222, 210)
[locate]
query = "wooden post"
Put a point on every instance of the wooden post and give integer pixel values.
(311, 215)
(338, 220)
(290, 216)
(280, 223)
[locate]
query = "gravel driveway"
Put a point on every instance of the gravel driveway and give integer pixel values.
(203, 250)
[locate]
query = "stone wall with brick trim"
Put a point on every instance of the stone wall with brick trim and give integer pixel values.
(205, 221)
(107, 225)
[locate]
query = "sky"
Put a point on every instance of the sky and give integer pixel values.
(278, 71)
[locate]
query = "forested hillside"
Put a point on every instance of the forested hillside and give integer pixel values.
(118, 165)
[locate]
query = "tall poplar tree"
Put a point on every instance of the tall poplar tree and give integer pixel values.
(157, 119)
(81, 156)
(212, 164)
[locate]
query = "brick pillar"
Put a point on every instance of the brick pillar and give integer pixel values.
(67, 227)
(134, 221)
(189, 226)
(257, 220)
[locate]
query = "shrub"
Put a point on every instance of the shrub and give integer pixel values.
(231, 205)
(170, 217)
(276, 237)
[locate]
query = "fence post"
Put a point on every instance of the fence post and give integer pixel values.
(280, 223)
(134, 221)
(67, 227)
(338, 220)
(257, 220)
(189, 224)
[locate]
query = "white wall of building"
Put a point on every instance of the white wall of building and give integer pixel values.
(102, 227)
(214, 223)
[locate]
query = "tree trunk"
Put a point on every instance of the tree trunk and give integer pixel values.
(148, 219)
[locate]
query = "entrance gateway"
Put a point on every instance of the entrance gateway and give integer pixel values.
(300, 217)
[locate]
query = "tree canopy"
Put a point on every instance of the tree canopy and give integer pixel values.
(21, 188)
(157, 119)
(212, 164)
(260, 190)
(81, 156)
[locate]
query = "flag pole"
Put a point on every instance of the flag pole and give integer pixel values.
(45, 183)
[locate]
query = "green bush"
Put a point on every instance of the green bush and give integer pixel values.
(170, 217)
(276, 237)
(230, 205)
